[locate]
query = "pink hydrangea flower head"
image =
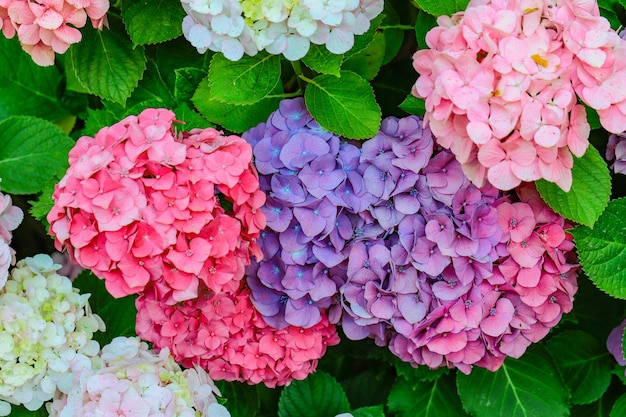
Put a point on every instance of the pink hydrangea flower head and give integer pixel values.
(142, 206)
(521, 66)
(129, 379)
(226, 336)
(46, 27)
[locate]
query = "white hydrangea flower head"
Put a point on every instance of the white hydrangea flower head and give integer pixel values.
(287, 27)
(128, 376)
(46, 326)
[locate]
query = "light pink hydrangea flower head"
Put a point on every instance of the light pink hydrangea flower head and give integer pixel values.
(141, 206)
(47, 329)
(10, 218)
(133, 381)
(46, 27)
(501, 81)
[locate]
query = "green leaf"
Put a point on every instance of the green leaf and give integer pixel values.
(187, 81)
(33, 151)
(372, 411)
(393, 37)
(344, 105)
(320, 395)
(367, 63)
(246, 81)
(40, 207)
(421, 373)
(413, 105)
(191, 118)
(362, 41)
(119, 315)
(96, 120)
(619, 408)
(526, 387)
(153, 21)
(440, 8)
(106, 63)
(27, 89)
(322, 60)
(423, 24)
(241, 400)
(152, 88)
(602, 250)
(20, 411)
(233, 117)
(590, 192)
(425, 399)
(584, 363)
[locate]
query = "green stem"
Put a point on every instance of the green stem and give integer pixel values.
(296, 93)
(403, 27)
(297, 68)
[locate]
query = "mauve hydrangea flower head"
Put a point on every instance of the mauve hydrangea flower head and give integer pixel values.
(500, 85)
(46, 27)
(128, 378)
(140, 206)
(616, 153)
(224, 334)
(238, 27)
(47, 328)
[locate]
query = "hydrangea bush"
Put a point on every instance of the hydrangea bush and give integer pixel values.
(320, 208)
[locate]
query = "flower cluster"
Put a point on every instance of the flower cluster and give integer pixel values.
(396, 236)
(616, 152)
(235, 27)
(224, 334)
(316, 187)
(141, 207)
(46, 327)
(128, 379)
(44, 27)
(500, 83)
(10, 218)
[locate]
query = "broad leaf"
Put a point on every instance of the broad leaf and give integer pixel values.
(584, 363)
(425, 399)
(344, 105)
(153, 21)
(393, 37)
(187, 81)
(191, 119)
(246, 81)
(119, 315)
(362, 41)
(413, 105)
(20, 411)
(367, 63)
(373, 411)
(232, 117)
(27, 89)
(602, 250)
(241, 400)
(590, 192)
(320, 395)
(439, 8)
(526, 387)
(33, 151)
(322, 60)
(619, 408)
(97, 119)
(106, 63)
